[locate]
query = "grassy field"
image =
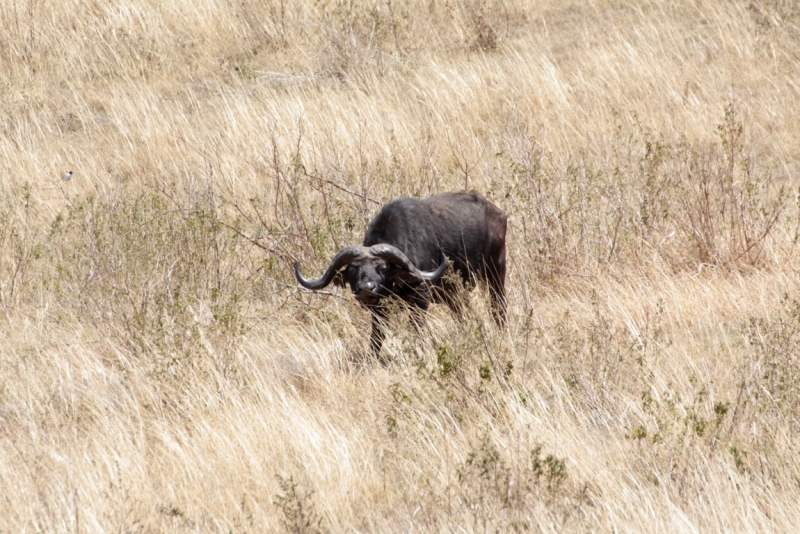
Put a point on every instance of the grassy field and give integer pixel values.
(160, 370)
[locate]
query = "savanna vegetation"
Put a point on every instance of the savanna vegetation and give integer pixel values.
(161, 371)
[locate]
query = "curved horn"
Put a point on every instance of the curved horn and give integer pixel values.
(396, 256)
(344, 257)
(432, 276)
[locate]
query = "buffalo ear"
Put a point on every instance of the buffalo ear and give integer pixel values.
(403, 276)
(338, 279)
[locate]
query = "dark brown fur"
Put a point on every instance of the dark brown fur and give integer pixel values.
(467, 228)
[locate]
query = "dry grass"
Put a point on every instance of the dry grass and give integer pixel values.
(160, 371)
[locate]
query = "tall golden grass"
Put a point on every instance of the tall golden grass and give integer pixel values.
(161, 371)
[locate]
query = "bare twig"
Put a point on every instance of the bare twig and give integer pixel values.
(339, 187)
(243, 235)
(766, 232)
(300, 289)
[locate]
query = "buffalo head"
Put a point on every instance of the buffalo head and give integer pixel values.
(373, 273)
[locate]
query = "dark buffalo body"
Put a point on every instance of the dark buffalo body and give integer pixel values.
(467, 228)
(404, 250)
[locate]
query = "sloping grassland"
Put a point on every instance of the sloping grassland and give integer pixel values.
(160, 371)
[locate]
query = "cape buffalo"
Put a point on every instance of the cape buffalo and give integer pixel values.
(405, 253)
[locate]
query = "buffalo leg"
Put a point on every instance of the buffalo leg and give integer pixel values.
(420, 302)
(496, 274)
(418, 315)
(453, 292)
(378, 332)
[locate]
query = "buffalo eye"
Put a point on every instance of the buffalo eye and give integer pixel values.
(382, 270)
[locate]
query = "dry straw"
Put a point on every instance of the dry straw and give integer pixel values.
(161, 371)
